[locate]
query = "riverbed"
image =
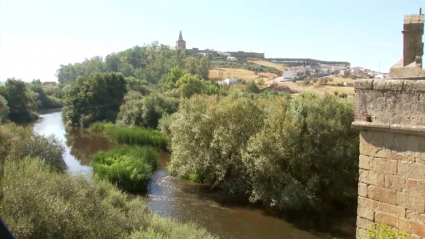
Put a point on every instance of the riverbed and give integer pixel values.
(178, 199)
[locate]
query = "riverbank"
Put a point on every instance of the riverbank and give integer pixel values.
(186, 201)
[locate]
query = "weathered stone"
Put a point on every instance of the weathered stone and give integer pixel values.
(418, 229)
(362, 191)
(412, 215)
(386, 166)
(382, 194)
(363, 84)
(394, 182)
(405, 225)
(364, 223)
(414, 85)
(370, 177)
(410, 202)
(361, 233)
(365, 162)
(388, 219)
(391, 209)
(410, 170)
(365, 213)
(416, 188)
(368, 203)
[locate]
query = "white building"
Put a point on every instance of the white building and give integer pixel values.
(290, 75)
(230, 81)
(231, 58)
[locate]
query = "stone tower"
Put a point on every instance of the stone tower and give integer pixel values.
(411, 64)
(181, 44)
(413, 29)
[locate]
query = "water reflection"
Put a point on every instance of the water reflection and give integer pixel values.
(80, 146)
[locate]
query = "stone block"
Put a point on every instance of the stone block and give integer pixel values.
(368, 203)
(405, 225)
(401, 156)
(414, 85)
(388, 219)
(365, 213)
(411, 170)
(386, 166)
(418, 229)
(370, 177)
(361, 233)
(412, 215)
(364, 223)
(388, 85)
(365, 162)
(363, 84)
(394, 182)
(392, 209)
(415, 188)
(410, 202)
(382, 195)
(362, 190)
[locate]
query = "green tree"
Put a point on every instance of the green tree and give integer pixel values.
(190, 84)
(170, 80)
(112, 62)
(94, 98)
(21, 103)
(4, 110)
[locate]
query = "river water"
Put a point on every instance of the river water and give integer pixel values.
(182, 200)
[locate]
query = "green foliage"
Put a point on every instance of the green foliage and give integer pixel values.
(45, 101)
(170, 80)
(131, 135)
(94, 98)
(20, 100)
(145, 111)
(343, 95)
(251, 87)
(39, 203)
(382, 231)
(190, 85)
(129, 168)
(140, 86)
(4, 110)
(259, 146)
(18, 142)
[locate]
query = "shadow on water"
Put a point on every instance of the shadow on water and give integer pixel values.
(186, 201)
(236, 218)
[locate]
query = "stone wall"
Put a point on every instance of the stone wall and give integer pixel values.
(390, 115)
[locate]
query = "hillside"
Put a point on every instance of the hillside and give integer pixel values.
(240, 73)
(279, 67)
(308, 61)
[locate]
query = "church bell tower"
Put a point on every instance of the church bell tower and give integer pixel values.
(181, 44)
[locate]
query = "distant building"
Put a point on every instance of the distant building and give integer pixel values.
(49, 83)
(180, 44)
(290, 75)
(230, 81)
(231, 58)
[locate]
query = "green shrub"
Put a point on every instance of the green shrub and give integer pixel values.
(382, 231)
(127, 167)
(343, 95)
(39, 203)
(131, 135)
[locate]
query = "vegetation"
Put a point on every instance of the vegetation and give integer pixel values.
(45, 101)
(129, 168)
(20, 100)
(382, 231)
(219, 62)
(147, 63)
(131, 135)
(4, 110)
(259, 147)
(39, 203)
(94, 98)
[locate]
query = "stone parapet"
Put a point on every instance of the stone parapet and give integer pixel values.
(390, 115)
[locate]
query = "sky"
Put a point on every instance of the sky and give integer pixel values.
(36, 37)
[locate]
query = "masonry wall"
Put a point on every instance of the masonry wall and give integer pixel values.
(392, 154)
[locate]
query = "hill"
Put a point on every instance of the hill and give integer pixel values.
(307, 61)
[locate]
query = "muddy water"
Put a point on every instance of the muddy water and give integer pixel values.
(178, 199)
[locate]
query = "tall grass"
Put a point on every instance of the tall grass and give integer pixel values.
(131, 135)
(40, 203)
(128, 167)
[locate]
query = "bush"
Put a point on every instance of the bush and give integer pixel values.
(129, 168)
(39, 203)
(18, 142)
(251, 87)
(258, 147)
(382, 231)
(343, 95)
(131, 135)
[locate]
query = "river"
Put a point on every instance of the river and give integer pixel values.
(182, 200)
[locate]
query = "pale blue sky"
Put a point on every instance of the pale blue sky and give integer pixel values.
(36, 36)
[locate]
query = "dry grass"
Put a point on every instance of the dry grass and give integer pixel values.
(279, 67)
(349, 90)
(240, 74)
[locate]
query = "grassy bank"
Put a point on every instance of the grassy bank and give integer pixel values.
(128, 167)
(131, 135)
(39, 203)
